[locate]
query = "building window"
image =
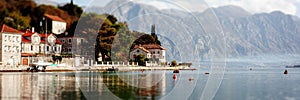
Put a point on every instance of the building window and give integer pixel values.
(81, 40)
(31, 48)
(70, 40)
(13, 38)
(63, 40)
(5, 38)
(8, 48)
(158, 52)
(47, 48)
(137, 51)
(9, 39)
(16, 49)
(58, 49)
(17, 39)
(5, 48)
(70, 50)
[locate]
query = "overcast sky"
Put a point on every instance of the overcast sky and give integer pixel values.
(254, 6)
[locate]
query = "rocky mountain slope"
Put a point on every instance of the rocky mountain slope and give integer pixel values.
(227, 31)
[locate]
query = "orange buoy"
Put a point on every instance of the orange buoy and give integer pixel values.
(191, 79)
(285, 72)
(174, 76)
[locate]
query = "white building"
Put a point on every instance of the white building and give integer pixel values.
(151, 51)
(10, 40)
(34, 44)
(55, 24)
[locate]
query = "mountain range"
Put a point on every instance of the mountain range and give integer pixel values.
(223, 32)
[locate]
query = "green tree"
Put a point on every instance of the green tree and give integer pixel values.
(105, 38)
(17, 21)
(174, 63)
(122, 42)
(141, 59)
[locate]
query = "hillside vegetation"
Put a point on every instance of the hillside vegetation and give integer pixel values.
(103, 33)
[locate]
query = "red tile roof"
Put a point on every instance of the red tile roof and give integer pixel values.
(28, 34)
(26, 37)
(58, 42)
(150, 46)
(24, 40)
(46, 35)
(5, 28)
(145, 50)
(56, 18)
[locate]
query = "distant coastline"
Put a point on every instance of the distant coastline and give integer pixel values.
(293, 66)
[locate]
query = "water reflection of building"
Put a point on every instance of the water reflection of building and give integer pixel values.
(87, 85)
(136, 86)
(25, 86)
(38, 86)
(157, 83)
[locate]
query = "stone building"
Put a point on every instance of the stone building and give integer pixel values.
(153, 52)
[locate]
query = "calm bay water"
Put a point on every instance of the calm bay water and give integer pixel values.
(236, 84)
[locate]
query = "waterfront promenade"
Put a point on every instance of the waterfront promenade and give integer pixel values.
(92, 68)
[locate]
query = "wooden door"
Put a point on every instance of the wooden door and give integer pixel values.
(25, 61)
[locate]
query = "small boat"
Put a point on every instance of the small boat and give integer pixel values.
(176, 71)
(36, 68)
(285, 72)
(39, 66)
(207, 73)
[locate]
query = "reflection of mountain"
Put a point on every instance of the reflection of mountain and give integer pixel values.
(200, 35)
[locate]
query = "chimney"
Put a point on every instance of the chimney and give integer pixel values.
(32, 29)
(66, 33)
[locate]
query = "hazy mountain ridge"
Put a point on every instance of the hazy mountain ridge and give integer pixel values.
(245, 34)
